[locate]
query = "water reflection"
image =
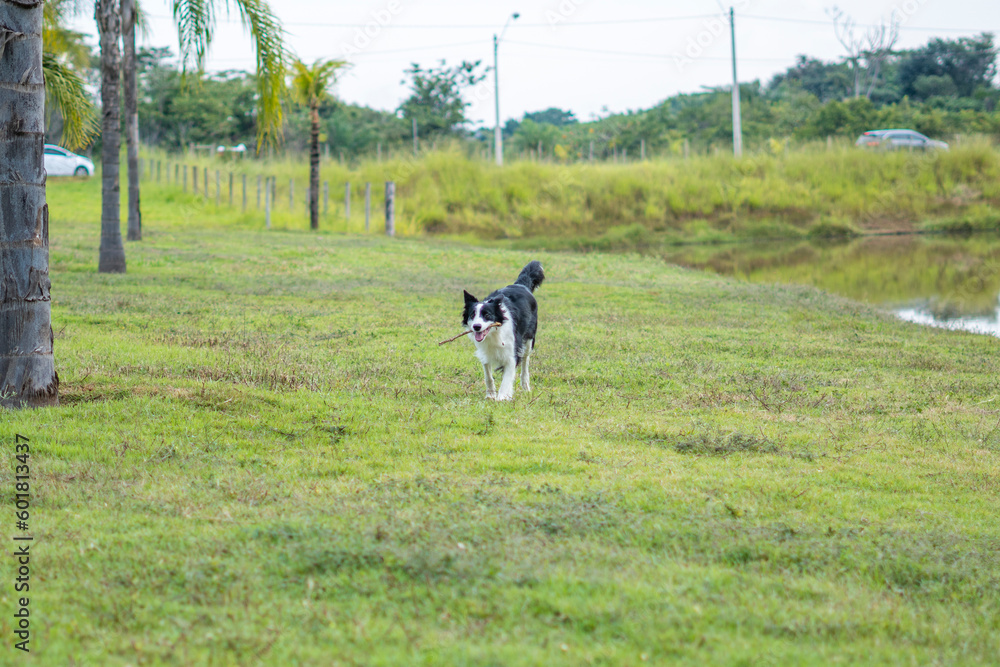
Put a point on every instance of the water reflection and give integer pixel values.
(982, 325)
(940, 281)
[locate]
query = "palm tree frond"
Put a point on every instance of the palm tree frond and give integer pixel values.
(60, 40)
(267, 36)
(195, 20)
(64, 88)
(311, 83)
(142, 21)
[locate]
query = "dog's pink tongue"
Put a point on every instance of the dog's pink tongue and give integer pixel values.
(480, 335)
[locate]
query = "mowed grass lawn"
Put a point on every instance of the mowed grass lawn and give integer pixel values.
(262, 456)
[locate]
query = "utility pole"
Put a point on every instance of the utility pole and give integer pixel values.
(497, 135)
(737, 123)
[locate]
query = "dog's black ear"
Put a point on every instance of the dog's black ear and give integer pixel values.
(469, 298)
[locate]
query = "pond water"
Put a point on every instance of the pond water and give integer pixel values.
(951, 282)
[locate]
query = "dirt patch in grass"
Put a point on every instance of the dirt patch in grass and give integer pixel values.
(720, 444)
(707, 443)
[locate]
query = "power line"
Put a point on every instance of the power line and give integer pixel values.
(636, 54)
(659, 56)
(250, 58)
(574, 49)
(363, 53)
(566, 23)
(783, 19)
(628, 54)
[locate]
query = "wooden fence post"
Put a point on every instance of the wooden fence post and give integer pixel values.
(194, 177)
(176, 172)
(368, 204)
(390, 208)
(185, 179)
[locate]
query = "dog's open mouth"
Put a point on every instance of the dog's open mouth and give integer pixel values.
(480, 335)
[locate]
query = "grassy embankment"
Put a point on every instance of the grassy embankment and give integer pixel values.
(649, 205)
(262, 456)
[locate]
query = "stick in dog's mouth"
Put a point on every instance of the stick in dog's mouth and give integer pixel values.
(478, 334)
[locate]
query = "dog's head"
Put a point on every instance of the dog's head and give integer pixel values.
(480, 314)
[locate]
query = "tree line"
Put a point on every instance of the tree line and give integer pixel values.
(945, 87)
(942, 88)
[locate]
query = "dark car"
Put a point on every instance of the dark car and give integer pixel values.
(895, 140)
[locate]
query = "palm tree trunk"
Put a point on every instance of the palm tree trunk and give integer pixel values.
(109, 25)
(131, 119)
(27, 368)
(314, 166)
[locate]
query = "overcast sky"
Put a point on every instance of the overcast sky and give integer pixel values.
(588, 56)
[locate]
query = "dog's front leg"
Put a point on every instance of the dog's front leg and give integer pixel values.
(507, 383)
(491, 389)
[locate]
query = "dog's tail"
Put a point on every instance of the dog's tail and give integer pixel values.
(531, 276)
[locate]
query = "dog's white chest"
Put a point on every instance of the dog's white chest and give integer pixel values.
(497, 349)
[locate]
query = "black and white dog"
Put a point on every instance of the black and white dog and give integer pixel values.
(511, 343)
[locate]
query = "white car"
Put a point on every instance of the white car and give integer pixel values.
(60, 162)
(899, 140)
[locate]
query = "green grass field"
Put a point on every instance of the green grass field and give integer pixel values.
(263, 457)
